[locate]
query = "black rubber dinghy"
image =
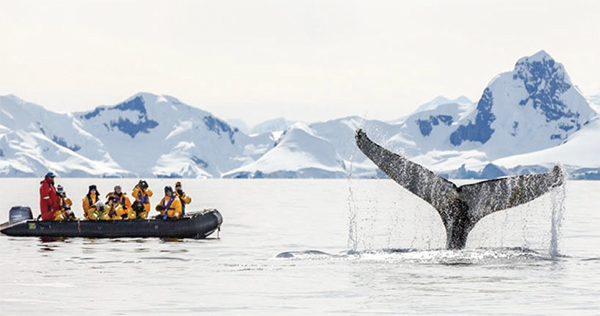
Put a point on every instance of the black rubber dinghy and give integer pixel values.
(193, 225)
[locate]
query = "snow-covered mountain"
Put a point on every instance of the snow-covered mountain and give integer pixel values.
(299, 153)
(146, 136)
(34, 140)
(525, 120)
(533, 107)
(157, 135)
(580, 149)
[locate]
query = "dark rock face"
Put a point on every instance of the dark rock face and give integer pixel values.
(61, 141)
(220, 127)
(545, 82)
(481, 130)
(426, 126)
(125, 125)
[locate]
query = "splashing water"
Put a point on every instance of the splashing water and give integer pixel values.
(352, 226)
(559, 195)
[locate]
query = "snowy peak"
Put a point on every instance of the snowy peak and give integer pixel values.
(540, 56)
(299, 153)
(533, 107)
(176, 139)
(545, 81)
(129, 117)
(145, 112)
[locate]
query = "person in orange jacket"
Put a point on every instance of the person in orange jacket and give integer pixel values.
(119, 203)
(114, 209)
(65, 205)
(142, 193)
(170, 206)
(89, 203)
(49, 200)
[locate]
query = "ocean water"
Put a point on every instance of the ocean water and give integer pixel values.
(299, 247)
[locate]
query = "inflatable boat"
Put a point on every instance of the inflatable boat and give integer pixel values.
(192, 225)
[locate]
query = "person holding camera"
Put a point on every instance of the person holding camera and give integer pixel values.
(142, 194)
(118, 204)
(182, 197)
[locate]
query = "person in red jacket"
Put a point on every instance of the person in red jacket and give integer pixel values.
(49, 200)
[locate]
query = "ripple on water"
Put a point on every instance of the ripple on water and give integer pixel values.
(479, 256)
(165, 258)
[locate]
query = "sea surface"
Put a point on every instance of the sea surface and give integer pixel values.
(312, 247)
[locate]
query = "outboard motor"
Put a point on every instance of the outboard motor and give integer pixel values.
(19, 214)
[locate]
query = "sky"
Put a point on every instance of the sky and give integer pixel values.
(302, 60)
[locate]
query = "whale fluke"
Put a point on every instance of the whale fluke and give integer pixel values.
(459, 207)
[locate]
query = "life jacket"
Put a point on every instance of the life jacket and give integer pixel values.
(173, 197)
(142, 197)
(170, 202)
(91, 202)
(120, 199)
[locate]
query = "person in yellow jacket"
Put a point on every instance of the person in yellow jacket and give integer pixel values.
(98, 212)
(89, 203)
(118, 203)
(65, 212)
(142, 193)
(114, 209)
(185, 200)
(170, 206)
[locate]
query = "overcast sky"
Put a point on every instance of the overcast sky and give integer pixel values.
(304, 60)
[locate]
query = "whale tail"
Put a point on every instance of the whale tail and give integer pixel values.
(459, 207)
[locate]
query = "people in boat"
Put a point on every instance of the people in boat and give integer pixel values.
(49, 200)
(115, 210)
(119, 203)
(98, 212)
(65, 205)
(142, 193)
(89, 202)
(185, 200)
(170, 206)
(138, 210)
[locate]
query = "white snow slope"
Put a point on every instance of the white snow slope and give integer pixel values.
(299, 153)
